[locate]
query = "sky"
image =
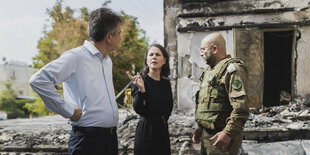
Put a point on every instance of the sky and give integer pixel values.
(22, 22)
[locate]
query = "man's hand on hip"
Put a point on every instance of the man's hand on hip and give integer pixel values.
(222, 140)
(76, 115)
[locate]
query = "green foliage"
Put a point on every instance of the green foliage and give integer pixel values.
(12, 106)
(7, 101)
(68, 32)
(20, 103)
(85, 14)
(129, 55)
(37, 108)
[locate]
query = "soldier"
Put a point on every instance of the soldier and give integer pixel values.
(222, 107)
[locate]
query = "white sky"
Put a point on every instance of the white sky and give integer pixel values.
(22, 21)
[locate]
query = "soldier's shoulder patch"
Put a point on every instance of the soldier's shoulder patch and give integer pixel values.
(236, 84)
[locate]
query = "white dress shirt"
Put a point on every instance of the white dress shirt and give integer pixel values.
(87, 83)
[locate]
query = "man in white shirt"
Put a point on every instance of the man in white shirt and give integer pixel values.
(89, 99)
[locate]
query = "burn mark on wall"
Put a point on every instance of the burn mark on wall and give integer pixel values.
(199, 28)
(193, 6)
(268, 4)
(221, 23)
(211, 22)
(198, 1)
(217, 6)
(242, 12)
(194, 24)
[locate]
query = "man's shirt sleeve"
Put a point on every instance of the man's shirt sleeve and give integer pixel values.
(44, 81)
(237, 88)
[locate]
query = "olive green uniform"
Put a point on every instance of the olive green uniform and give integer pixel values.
(222, 104)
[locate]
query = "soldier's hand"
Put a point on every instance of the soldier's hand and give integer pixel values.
(196, 137)
(222, 140)
(76, 115)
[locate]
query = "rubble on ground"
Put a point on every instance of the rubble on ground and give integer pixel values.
(286, 123)
(181, 126)
(51, 133)
(295, 115)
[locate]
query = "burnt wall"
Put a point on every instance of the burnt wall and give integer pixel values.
(192, 19)
(170, 22)
(219, 15)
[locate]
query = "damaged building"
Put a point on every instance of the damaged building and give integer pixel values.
(271, 36)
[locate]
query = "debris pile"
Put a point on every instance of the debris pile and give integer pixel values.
(181, 126)
(295, 115)
(43, 135)
(50, 134)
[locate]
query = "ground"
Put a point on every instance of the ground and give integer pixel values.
(49, 135)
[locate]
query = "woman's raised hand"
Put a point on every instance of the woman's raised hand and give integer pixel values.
(137, 80)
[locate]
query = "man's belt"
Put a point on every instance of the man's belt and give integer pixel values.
(94, 129)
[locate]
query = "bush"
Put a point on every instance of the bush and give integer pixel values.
(12, 106)
(37, 108)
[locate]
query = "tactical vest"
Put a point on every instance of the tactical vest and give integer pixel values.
(214, 106)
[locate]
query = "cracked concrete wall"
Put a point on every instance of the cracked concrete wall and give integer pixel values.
(170, 22)
(191, 65)
(187, 22)
(303, 63)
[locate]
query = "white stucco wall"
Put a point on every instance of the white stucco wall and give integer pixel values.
(303, 62)
(189, 44)
(187, 90)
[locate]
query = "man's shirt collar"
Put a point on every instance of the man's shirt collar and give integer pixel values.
(93, 50)
(90, 47)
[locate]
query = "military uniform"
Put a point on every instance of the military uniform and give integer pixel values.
(222, 104)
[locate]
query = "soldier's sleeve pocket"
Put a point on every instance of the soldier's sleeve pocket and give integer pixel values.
(237, 94)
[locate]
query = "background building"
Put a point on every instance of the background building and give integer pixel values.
(18, 74)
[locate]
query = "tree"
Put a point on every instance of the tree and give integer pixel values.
(67, 32)
(129, 53)
(8, 102)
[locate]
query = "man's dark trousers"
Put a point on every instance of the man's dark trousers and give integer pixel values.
(93, 141)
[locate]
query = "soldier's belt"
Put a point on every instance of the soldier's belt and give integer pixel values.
(209, 127)
(213, 131)
(205, 124)
(217, 122)
(215, 107)
(219, 100)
